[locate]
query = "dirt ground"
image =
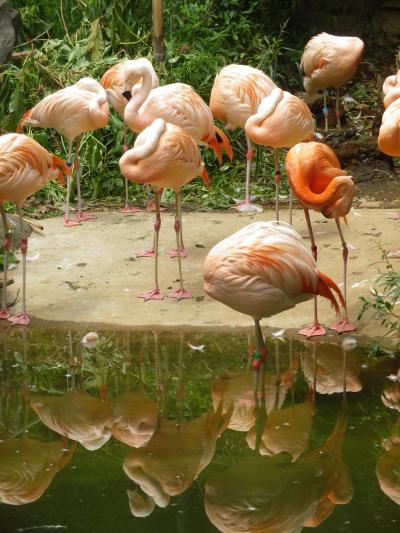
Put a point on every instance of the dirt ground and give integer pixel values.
(89, 274)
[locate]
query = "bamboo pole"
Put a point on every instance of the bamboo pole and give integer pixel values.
(158, 30)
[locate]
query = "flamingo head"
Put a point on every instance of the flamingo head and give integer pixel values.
(61, 169)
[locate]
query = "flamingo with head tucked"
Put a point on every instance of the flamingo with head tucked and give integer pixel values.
(282, 120)
(320, 184)
(71, 111)
(113, 83)
(164, 156)
(330, 61)
(236, 95)
(25, 167)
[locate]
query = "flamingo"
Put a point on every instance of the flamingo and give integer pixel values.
(236, 95)
(261, 270)
(320, 184)
(25, 167)
(71, 111)
(391, 89)
(113, 83)
(330, 61)
(282, 120)
(163, 156)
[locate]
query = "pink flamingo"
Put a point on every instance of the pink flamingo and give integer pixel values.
(320, 184)
(330, 61)
(236, 95)
(71, 111)
(113, 83)
(164, 156)
(25, 167)
(282, 120)
(264, 269)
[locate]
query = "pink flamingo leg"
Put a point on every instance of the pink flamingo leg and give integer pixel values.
(315, 330)
(23, 318)
(151, 206)
(68, 223)
(155, 294)
(325, 111)
(182, 250)
(278, 177)
(344, 324)
(338, 124)
(246, 206)
(6, 248)
(78, 171)
(181, 293)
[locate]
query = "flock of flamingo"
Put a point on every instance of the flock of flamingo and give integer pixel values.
(262, 269)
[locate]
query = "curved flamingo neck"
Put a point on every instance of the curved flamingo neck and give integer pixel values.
(268, 108)
(131, 116)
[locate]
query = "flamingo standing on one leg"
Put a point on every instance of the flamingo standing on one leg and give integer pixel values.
(282, 120)
(176, 103)
(25, 167)
(113, 83)
(236, 95)
(164, 156)
(71, 111)
(320, 184)
(263, 269)
(330, 61)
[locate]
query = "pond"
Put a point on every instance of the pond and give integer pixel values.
(162, 432)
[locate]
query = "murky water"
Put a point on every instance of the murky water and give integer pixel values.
(163, 433)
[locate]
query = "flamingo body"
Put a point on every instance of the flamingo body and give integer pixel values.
(330, 61)
(317, 179)
(389, 132)
(237, 93)
(264, 269)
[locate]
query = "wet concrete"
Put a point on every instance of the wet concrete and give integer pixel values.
(89, 274)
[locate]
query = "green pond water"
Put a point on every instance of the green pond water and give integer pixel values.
(162, 432)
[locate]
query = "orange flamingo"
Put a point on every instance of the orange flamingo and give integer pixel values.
(330, 61)
(264, 269)
(113, 83)
(320, 184)
(282, 120)
(25, 167)
(163, 156)
(71, 111)
(236, 95)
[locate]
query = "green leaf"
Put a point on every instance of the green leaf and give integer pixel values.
(95, 44)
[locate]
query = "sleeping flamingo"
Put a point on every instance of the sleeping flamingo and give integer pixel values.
(113, 83)
(319, 183)
(71, 111)
(330, 61)
(282, 120)
(236, 95)
(164, 156)
(25, 167)
(264, 269)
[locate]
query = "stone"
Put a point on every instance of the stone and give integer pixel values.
(9, 24)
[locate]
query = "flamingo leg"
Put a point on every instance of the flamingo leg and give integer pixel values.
(4, 315)
(277, 182)
(315, 330)
(68, 223)
(181, 293)
(23, 318)
(246, 206)
(151, 251)
(325, 111)
(78, 171)
(338, 124)
(290, 204)
(151, 206)
(344, 324)
(155, 294)
(181, 246)
(127, 208)
(259, 360)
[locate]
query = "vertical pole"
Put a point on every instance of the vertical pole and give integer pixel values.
(158, 30)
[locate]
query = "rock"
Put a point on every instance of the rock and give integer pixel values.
(9, 24)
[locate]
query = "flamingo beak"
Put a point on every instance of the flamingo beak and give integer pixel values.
(126, 93)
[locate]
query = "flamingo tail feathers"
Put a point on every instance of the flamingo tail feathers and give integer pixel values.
(224, 143)
(325, 287)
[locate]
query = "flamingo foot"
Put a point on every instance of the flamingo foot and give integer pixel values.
(394, 254)
(146, 253)
(82, 217)
(151, 207)
(4, 314)
(21, 320)
(394, 216)
(174, 252)
(316, 330)
(343, 325)
(131, 209)
(180, 294)
(155, 294)
(68, 223)
(248, 207)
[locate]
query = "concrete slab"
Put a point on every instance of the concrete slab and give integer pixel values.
(89, 274)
